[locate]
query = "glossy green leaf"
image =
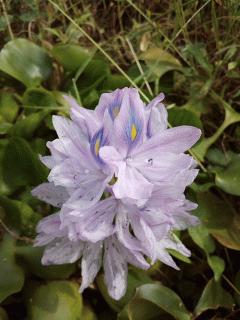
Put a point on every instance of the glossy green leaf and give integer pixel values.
(179, 116)
(217, 265)
(21, 166)
(27, 126)
(72, 57)
(5, 127)
(94, 73)
(160, 296)
(55, 300)
(213, 297)
(202, 238)
(11, 275)
(228, 179)
(219, 219)
(115, 81)
(19, 216)
(36, 98)
(231, 116)
(30, 258)
(8, 107)
(25, 61)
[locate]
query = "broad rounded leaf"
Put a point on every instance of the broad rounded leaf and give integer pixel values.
(11, 275)
(160, 296)
(55, 300)
(213, 297)
(219, 219)
(228, 179)
(8, 107)
(25, 61)
(35, 98)
(179, 116)
(202, 238)
(72, 57)
(26, 127)
(20, 165)
(19, 216)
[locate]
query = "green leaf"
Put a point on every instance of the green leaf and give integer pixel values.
(135, 279)
(231, 116)
(25, 61)
(217, 265)
(38, 97)
(213, 297)
(55, 300)
(228, 179)
(219, 219)
(87, 314)
(8, 107)
(11, 275)
(94, 73)
(72, 57)
(180, 116)
(30, 258)
(19, 216)
(160, 296)
(26, 127)
(21, 166)
(160, 61)
(202, 238)
(114, 81)
(5, 127)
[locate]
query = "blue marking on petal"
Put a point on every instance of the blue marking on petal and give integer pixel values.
(134, 129)
(96, 143)
(114, 110)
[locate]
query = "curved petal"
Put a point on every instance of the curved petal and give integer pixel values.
(111, 102)
(115, 270)
(48, 192)
(175, 140)
(62, 251)
(91, 263)
(96, 223)
(129, 125)
(157, 116)
(131, 184)
(86, 119)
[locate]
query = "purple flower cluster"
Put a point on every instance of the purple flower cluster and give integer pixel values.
(118, 177)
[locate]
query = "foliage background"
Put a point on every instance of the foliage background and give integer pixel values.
(189, 49)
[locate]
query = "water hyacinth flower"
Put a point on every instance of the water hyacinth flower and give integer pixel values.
(118, 176)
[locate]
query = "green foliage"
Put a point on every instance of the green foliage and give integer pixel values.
(12, 276)
(186, 49)
(213, 297)
(25, 61)
(55, 300)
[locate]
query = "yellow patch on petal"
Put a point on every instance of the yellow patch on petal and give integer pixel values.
(97, 147)
(133, 132)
